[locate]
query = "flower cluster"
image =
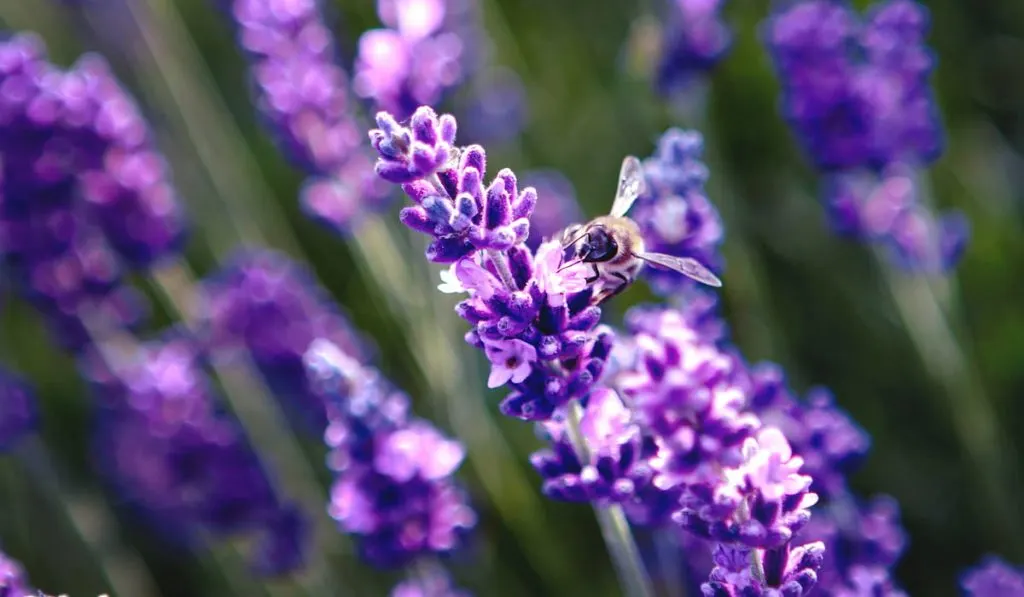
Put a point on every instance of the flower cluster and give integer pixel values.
(993, 577)
(532, 317)
(694, 40)
(434, 583)
(302, 94)
(784, 571)
(84, 195)
(184, 465)
(264, 303)
(831, 444)
(18, 409)
(856, 93)
(863, 543)
(674, 214)
(425, 49)
(394, 488)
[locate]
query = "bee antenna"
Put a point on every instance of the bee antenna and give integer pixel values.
(575, 240)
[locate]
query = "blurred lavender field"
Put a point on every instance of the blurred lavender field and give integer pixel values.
(279, 317)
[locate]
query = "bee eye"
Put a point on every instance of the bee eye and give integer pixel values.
(599, 247)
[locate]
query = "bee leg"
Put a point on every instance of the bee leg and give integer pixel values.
(593, 278)
(608, 295)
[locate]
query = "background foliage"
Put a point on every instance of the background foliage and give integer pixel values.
(793, 292)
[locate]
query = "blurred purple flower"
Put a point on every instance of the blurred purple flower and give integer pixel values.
(887, 211)
(856, 90)
(19, 411)
(186, 467)
(496, 107)
(264, 303)
(993, 577)
(394, 488)
(694, 40)
(434, 584)
(524, 307)
(863, 544)
(425, 50)
(13, 580)
(83, 192)
(302, 92)
(674, 214)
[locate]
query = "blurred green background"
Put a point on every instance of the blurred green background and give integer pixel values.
(946, 441)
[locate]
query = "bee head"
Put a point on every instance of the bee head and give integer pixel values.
(598, 246)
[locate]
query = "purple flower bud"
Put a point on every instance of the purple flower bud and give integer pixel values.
(788, 571)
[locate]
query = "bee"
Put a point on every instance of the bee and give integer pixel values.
(614, 247)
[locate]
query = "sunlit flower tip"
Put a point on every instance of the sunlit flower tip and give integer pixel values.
(476, 279)
(993, 577)
(414, 152)
(511, 360)
(18, 409)
(450, 283)
(555, 278)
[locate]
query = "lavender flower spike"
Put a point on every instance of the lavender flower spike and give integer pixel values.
(394, 487)
(785, 572)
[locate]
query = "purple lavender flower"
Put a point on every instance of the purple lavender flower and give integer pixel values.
(830, 443)
(674, 213)
(618, 471)
(686, 392)
(83, 192)
(863, 544)
(394, 486)
(18, 409)
(13, 580)
(531, 316)
(789, 572)
(888, 212)
(179, 462)
(302, 93)
(558, 210)
(856, 92)
(496, 107)
(273, 308)
(425, 50)
(993, 577)
(694, 40)
(759, 504)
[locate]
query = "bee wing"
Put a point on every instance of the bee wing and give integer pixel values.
(631, 186)
(684, 265)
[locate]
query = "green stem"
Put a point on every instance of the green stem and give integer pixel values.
(612, 520)
(122, 569)
(974, 420)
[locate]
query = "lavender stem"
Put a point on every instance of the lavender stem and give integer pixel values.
(612, 520)
(974, 421)
(501, 264)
